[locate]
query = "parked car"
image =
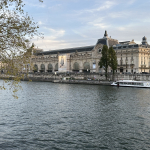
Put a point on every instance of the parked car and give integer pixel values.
(128, 73)
(144, 72)
(89, 79)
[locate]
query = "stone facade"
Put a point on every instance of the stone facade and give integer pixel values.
(131, 57)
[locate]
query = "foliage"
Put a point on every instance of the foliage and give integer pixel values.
(113, 59)
(16, 30)
(104, 61)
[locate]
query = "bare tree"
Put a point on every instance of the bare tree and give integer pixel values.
(17, 28)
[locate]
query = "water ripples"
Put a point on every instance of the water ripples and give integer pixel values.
(51, 116)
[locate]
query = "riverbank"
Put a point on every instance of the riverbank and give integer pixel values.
(40, 79)
(91, 82)
(107, 83)
(76, 81)
(79, 78)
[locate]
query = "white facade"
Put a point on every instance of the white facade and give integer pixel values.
(131, 57)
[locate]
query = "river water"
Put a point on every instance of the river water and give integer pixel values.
(49, 116)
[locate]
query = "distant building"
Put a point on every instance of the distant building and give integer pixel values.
(131, 57)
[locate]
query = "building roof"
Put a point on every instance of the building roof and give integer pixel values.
(102, 41)
(67, 50)
(124, 42)
(119, 46)
(112, 42)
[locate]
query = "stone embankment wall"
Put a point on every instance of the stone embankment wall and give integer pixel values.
(92, 76)
(48, 77)
(138, 77)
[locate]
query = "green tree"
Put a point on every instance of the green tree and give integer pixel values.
(17, 28)
(112, 59)
(104, 61)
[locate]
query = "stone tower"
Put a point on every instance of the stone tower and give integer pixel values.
(105, 35)
(144, 41)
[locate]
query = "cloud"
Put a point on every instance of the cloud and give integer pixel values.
(51, 40)
(35, 3)
(79, 33)
(40, 23)
(121, 28)
(100, 23)
(131, 2)
(50, 44)
(55, 7)
(55, 33)
(106, 5)
(124, 20)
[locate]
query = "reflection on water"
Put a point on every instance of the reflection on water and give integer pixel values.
(65, 117)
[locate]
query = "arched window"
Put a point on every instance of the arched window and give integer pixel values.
(42, 68)
(50, 68)
(76, 67)
(86, 67)
(56, 67)
(35, 68)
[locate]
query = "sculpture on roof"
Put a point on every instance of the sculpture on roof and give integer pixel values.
(105, 35)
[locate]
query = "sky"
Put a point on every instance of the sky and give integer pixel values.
(76, 23)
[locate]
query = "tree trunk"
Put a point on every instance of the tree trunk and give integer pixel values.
(106, 73)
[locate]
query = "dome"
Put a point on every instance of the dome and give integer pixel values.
(144, 38)
(144, 41)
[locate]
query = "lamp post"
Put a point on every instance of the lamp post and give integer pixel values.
(1, 65)
(87, 72)
(55, 75)
(126, 65)
(132, 66)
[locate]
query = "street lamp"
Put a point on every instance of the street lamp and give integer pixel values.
(126, 65)
(87, 72)
(55, 75)
(132, 66)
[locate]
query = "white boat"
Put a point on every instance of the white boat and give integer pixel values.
(132, 83)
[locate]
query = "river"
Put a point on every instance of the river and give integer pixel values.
(49, 116)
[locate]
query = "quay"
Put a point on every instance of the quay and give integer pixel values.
(84, 82)
(79, 78)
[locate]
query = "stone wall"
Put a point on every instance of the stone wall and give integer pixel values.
(82, 76)
(92, 76)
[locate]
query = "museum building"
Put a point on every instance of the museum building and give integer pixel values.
(131, 57)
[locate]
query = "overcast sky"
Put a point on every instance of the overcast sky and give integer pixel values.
(75, 23)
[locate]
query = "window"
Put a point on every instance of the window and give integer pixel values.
(99, 50)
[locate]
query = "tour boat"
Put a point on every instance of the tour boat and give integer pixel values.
(132, 83)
